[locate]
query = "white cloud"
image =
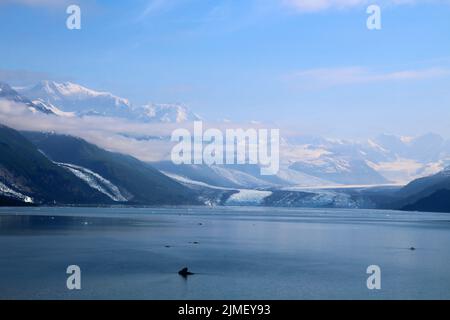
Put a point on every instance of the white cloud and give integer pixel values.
(102, 131)
(113, 134)
(329, 77)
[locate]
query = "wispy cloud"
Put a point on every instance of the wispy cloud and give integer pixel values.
(330, 77)
(37, 3)
(320, 5)
(154, 7)
(221, 16)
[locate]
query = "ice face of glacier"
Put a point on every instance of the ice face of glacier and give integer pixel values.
(248, 197)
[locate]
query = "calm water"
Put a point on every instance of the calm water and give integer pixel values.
(236, 253)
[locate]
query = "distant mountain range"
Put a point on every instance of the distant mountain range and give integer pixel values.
(317, 162)
(307, 160)
(387, 157)
(314, 171)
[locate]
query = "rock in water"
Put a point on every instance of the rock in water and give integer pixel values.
(185, 272)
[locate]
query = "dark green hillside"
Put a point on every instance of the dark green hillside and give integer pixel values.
(23, 166)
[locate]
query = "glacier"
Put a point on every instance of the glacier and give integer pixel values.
(95, 181)
(8, 192)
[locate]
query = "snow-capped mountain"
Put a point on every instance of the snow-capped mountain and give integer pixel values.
(424, 148)
(387, 157)
(320, 162)
(71, 97)
(341, 170)
(339, 162)
(165, 113)
(9, 94)
(244, 176)
(42, 106)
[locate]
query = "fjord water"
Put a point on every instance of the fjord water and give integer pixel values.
(235, 253)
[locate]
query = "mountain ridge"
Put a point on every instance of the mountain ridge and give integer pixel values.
(75, 99)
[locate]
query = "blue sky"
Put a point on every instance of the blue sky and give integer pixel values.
(312, 66)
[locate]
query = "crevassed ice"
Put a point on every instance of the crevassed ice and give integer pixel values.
(248, 196)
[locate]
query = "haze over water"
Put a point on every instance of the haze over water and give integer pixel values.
(235, 253)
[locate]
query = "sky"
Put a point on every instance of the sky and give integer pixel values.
(310, 66)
